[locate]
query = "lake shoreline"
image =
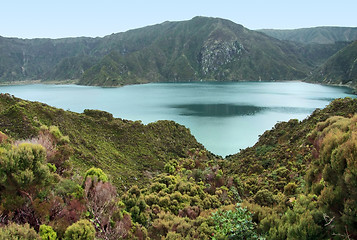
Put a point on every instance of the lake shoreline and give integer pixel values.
(352, 89)
(219, 114)
(76, 81)
(33, 82)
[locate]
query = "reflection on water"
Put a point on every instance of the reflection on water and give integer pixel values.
(328, 99)
(232, 110)
(217, 110)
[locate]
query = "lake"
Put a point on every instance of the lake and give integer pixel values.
(224, 117)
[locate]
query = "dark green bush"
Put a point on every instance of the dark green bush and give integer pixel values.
(290, 189)
(234, 224)
(264, 197)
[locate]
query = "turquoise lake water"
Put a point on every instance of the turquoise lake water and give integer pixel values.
(224, 117)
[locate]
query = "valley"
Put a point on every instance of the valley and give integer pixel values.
(81, 158)
(156, 180)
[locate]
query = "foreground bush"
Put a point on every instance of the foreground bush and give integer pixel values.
(234, 224)
(19, 232)
(81, 230)
(47, 233)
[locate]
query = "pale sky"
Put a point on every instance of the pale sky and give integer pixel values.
(74, 18)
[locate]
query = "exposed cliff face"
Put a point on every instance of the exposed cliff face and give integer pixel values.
(217, 53)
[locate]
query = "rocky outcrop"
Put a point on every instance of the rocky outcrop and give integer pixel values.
(217, 53)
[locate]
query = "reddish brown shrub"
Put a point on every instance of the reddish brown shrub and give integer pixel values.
(190, 212)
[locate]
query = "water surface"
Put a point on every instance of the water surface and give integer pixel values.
(224, 117)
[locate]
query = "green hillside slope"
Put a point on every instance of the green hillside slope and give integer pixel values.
(313, 164)
(341, 68)
(297, 182)
(200, 48)
(320, 35)
(42, 59)
(124, 149)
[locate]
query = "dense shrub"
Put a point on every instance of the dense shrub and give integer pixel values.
(3, 137)
(24, 166)
(264, 197)
(81, 230)
(234, 224)
(335, 141)
(69, 188)
(297, 184)
(47, 233)
(290, 189)
(23, 172)
(96, 173)
(303, 221)
(19, 232)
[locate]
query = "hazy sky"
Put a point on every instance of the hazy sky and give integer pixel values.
(72, 18)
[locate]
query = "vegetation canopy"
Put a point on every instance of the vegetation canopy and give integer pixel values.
(60, 178)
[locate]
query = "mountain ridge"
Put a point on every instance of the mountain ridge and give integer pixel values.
(202, 48)
(339, 69)
(321, 35)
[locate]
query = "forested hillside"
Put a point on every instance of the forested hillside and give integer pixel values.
(320, 35)
(79, 176)
(341, 68)
(42, 59)
(198, 49)
(202, 48)
(123, 148)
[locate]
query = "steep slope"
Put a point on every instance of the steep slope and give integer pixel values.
(321, 35)
(315, 54)
(122, 148)
(198, 49)
(285, 151)
(201, 48)
(300, 177)
(33, 59)
(341, 68)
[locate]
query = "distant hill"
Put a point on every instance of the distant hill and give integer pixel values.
(28, 59)
(201, 48)
(341, 68)
(198, 49)
(321, 35)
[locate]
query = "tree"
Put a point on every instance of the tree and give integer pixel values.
(101, 203)
(23, 168)
(81, 230)
(96, 173)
